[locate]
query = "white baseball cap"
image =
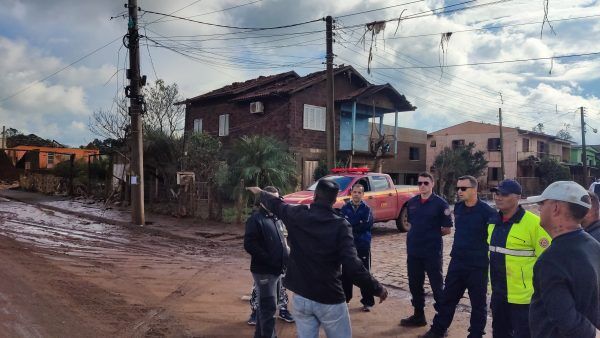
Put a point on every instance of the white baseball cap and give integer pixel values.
(565, 191)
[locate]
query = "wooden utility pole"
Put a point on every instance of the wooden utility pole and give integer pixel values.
(583, 149)
(501, 145)
(330, 115)
(133, 92)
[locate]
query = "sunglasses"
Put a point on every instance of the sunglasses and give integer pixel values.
(423, 183)
(463, 188)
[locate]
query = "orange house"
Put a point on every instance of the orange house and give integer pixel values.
(46, 157)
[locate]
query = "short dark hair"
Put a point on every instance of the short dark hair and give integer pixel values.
(471, 180)
(358, 185)
(268, 188)
(326, 192)
(271, 189)
(427, 175)
(577, 211)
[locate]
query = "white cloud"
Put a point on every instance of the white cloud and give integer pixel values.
(49, 35)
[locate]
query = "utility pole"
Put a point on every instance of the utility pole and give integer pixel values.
(330, 115)
(133, 92)
(583, 149)
(501, 144)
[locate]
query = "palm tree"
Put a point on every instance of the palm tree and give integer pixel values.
(262, 161)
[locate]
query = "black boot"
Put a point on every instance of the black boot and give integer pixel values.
(416, 320)
(432, 334)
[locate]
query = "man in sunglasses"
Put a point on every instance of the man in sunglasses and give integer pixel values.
(468, 269)
(516, 240)
(430, 218)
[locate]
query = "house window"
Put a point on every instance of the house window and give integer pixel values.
(314, 117)
(458, 144)
(379, 183)
(493, 144)
(542, 147)
(525, 145)
(413, 154)
(493, 174)
(198, 126)
(432, 144)
(224, 125)
(50, 158)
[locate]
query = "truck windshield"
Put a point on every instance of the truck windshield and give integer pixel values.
(343, 181)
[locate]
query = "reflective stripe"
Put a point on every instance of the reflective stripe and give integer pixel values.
(510, 252)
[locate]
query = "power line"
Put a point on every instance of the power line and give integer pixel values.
(437, 79)
(60, 70)
(235, 27)
(217, 11)
(377, 9)
(433, 12)
(182, 8)
(485, 28)
(497, 62)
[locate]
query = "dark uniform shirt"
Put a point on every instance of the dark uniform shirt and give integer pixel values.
(470, 246)
(566, 282)
(594, 230)
(361, 220)
(426, 218)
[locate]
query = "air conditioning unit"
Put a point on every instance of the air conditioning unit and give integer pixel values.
(256, 107)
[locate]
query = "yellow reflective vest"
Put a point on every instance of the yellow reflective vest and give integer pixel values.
(514, 248)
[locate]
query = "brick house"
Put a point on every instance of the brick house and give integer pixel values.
(291, 108)
(522, 149)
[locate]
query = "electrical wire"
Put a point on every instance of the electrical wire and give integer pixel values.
(235, 27)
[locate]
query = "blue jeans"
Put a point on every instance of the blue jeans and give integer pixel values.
(310, 315)
(266, 288)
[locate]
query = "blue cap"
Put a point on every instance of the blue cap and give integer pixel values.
(508, 187)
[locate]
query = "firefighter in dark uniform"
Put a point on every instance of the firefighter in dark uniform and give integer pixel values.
(516, 240)
(430, 218)
(360, 217)
(468, 269)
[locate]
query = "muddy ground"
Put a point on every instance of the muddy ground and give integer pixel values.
(64, 276)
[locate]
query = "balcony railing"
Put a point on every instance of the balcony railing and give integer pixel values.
(534, 155)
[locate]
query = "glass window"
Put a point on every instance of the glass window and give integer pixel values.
(414, 154)
(343, 182)
(224, 125)
(314, 117)
(379, 182)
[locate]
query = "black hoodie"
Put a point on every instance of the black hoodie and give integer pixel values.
(321, 243)
(265, 242)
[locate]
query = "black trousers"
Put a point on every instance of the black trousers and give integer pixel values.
(417, 267)
(459, 278)
(509, 320)
(367, 298)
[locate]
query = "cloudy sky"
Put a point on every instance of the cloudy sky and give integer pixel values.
(40, 93)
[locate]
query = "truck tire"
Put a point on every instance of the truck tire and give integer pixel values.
(402, 221)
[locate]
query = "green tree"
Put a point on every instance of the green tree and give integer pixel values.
(204, 158)
(539, 128)
(565, 134)
(262, 161)
(550, 170)
(451, 164)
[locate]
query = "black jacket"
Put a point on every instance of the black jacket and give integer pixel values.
(594, 230)
(321, 244)
(566, 283)
(264, 241)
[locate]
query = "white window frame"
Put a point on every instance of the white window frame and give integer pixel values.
(224, 125)
(51, 158)
(197, 125)
(314, 117)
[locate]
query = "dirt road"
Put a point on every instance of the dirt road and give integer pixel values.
(63, 276)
